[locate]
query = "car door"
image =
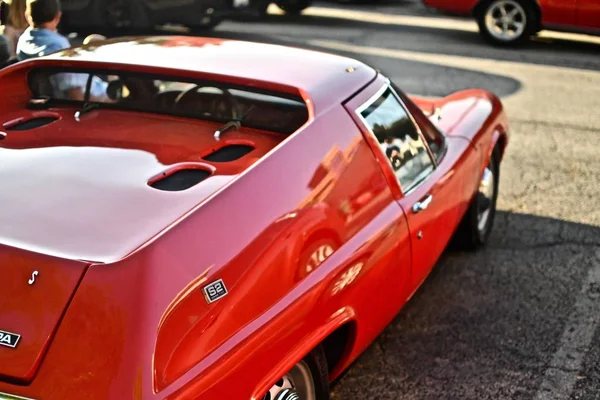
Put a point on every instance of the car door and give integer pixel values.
(557, 13)
(431, 191)
(588, 14)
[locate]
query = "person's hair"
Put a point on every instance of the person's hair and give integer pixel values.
(43, 11)
(16, 14)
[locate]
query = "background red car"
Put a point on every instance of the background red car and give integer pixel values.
(506, 22)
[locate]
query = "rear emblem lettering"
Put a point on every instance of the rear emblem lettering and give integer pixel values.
(215, 291)
(9, 339)
(33, 276)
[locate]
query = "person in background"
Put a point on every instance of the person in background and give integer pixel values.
(41, 37)
(14, 21)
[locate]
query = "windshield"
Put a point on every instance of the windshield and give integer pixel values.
(213, 101)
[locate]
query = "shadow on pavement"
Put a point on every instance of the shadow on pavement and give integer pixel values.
(486, 325)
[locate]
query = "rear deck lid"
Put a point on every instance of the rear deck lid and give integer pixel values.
(34, 293)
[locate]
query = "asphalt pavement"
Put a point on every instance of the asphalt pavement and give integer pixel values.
(519, 319)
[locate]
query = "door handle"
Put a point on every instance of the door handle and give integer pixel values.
(422, 204)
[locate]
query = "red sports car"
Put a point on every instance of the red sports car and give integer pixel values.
(508, 22)
(193, 218)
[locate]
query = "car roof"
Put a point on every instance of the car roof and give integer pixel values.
(323, 78)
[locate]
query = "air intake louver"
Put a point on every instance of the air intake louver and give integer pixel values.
(228, 153)
(31, 124)
(182, 179)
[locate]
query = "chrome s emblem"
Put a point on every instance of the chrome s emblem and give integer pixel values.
(33, 276)
(9, 339)
(215, 291)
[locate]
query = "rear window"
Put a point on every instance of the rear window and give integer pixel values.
(213, 101)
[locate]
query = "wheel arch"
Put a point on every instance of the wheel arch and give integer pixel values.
(337, 338)
(337, 347)
(499, 142)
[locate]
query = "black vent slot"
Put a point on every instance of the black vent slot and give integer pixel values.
(181, 180)
(229, 153)
(31, 124)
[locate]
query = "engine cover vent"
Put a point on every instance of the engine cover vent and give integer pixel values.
(179, 180)
(31, 123)
(228, 153)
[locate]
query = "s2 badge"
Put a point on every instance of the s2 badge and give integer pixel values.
(214, 291)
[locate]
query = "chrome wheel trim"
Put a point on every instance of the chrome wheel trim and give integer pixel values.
(283, 384)
(485, 195)
(303, 382)
(505, 20)
(299, 379)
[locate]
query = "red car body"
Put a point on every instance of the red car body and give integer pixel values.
(570, 15)
(102, 275)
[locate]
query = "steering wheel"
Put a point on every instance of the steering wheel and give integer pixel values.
(231, 103)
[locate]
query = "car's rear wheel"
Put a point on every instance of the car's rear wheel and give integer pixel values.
(308, 380)
(293, 7)
(506, 22)
(477, 223)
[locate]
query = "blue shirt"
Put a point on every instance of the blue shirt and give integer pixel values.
(40, 42)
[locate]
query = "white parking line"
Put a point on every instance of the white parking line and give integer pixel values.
(561, 375)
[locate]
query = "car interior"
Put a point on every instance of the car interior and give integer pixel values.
(213, 101)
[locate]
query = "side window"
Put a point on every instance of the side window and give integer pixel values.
(399, 139)
(435, 140)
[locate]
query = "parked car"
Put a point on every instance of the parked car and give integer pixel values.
(293, 7)
(195, 218)
(117, 16)
(511, 22)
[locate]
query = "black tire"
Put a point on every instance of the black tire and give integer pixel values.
(469, 236)
(317, 365)
(293, 7)
(263, 8)
(365, 2)
(204, 27)
(530, 21)
(317, 362)
(258, 11)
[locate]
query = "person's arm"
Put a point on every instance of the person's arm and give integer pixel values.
(75, 93)
(76, 85)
